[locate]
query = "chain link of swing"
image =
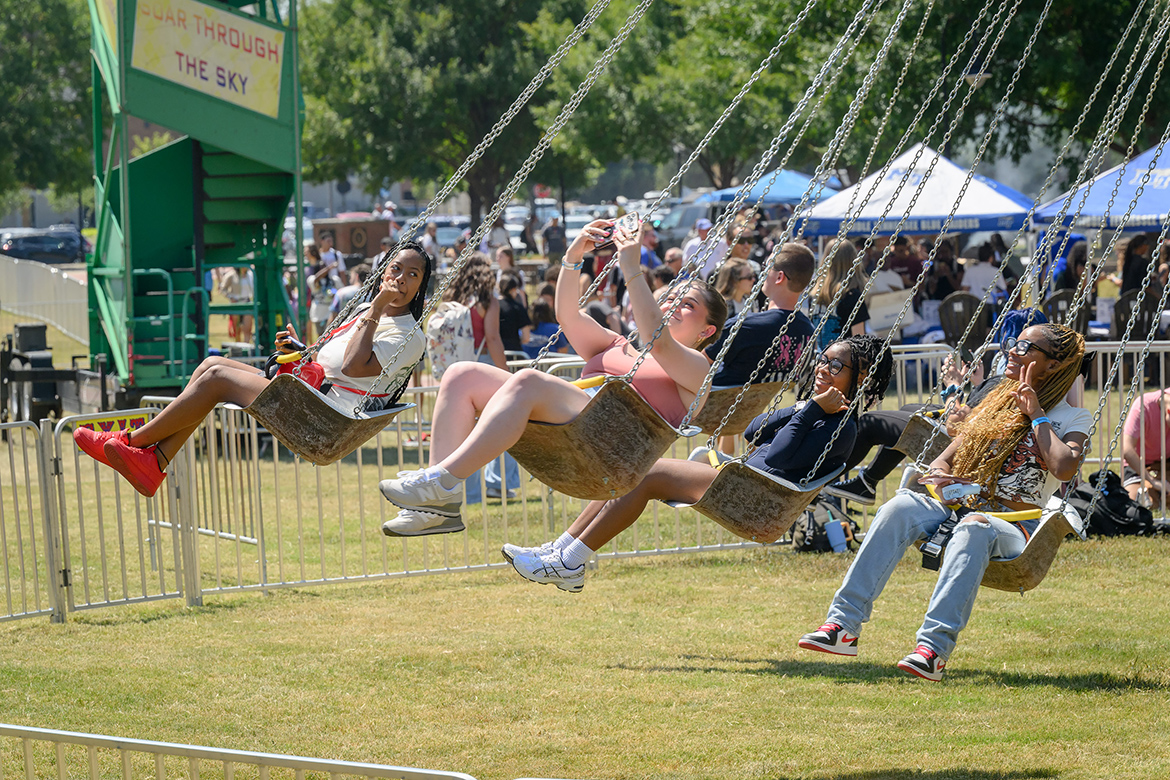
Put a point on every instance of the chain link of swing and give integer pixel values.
(1000, 110)
(518, 179)
(851, 220)
(1106, 131)
(600, 274)
(862, 14)
(827, 162)
(481, 148)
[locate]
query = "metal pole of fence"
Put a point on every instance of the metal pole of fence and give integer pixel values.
(182, 493)
(50, 475)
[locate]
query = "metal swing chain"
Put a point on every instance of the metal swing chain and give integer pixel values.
(1107, 129)
(1110, 248)
(522, 174)
(1000, 109)
(600, 275)
(505, 119)
(853, 216)
(1125, 339)
(645, 350)
(730, 213)
(828, 159)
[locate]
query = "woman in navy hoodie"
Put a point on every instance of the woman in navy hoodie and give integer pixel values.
(790, 442)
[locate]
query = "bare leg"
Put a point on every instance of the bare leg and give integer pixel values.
(527, 395)
(673, 480)
(216, 380)
(464, 392)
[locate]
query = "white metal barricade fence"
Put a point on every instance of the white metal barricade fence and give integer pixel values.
(26, 538)
(238, 512)
(32, 752)
(47, 293)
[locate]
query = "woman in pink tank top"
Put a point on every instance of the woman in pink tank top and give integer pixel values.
(482, 410)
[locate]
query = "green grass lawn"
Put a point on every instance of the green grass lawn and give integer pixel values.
(670, 667)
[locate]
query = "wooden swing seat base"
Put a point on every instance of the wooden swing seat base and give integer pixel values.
(306, 422)
(1028, 569)
(755, 399)
(753, 504)
(917, 433)
(605, 452)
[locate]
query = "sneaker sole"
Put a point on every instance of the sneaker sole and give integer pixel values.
(849, 496)
(911, 669)
(831, 650)
(120, 466)
(452, 526)
(560, 586)
(429, 508)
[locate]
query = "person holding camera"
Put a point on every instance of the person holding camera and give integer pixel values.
(1011, 454)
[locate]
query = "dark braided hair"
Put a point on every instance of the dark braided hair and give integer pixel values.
(417, 304)
(870, 363)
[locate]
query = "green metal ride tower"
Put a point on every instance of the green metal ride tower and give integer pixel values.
(216, 197)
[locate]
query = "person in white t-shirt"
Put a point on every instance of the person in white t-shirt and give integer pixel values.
(1014, 450)
(374, 352)
(980, 275)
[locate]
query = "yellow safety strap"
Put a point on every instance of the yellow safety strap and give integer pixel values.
(289, 357)
(1010, 517)
(593, 381)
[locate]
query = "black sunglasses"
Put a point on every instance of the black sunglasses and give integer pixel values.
(1021, 347)
(834, 365)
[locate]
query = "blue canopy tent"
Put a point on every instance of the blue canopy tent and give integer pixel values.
(1149, 213)
(789, 187)
(925, 202)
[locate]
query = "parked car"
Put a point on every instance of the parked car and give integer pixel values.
(44, 246)
(574, 223)
(680, 222)
(449, 228)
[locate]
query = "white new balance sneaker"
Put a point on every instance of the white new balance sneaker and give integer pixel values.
(422, 490)
(411, 522)
(549, 569)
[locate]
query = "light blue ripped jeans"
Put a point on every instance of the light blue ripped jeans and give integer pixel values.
(901, 521)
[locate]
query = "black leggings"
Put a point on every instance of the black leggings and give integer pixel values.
(882, 430)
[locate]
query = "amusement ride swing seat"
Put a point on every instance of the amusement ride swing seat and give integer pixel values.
(920, 431)
(754, 504)
(1028, 569)
(304, 420)
(720, 399)
(606, 450)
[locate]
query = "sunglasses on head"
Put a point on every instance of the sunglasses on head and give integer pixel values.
(1021, 346)
(834, 365)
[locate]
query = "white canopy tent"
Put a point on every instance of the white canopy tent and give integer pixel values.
(986, 204)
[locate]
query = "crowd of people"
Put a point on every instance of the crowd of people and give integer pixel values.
(1016, 437)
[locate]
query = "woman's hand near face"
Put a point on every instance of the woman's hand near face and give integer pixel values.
(831, 400)
(1025, 395)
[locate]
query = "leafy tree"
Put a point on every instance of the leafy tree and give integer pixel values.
(44, 95)
(398, 89)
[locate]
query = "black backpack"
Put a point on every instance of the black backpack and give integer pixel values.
(1116, 514)
(809, 533)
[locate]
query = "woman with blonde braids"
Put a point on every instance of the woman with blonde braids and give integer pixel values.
(1017, 445)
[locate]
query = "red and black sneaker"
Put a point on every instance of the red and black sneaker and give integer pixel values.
(924, 663)
(92, 442)
(830, 638)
